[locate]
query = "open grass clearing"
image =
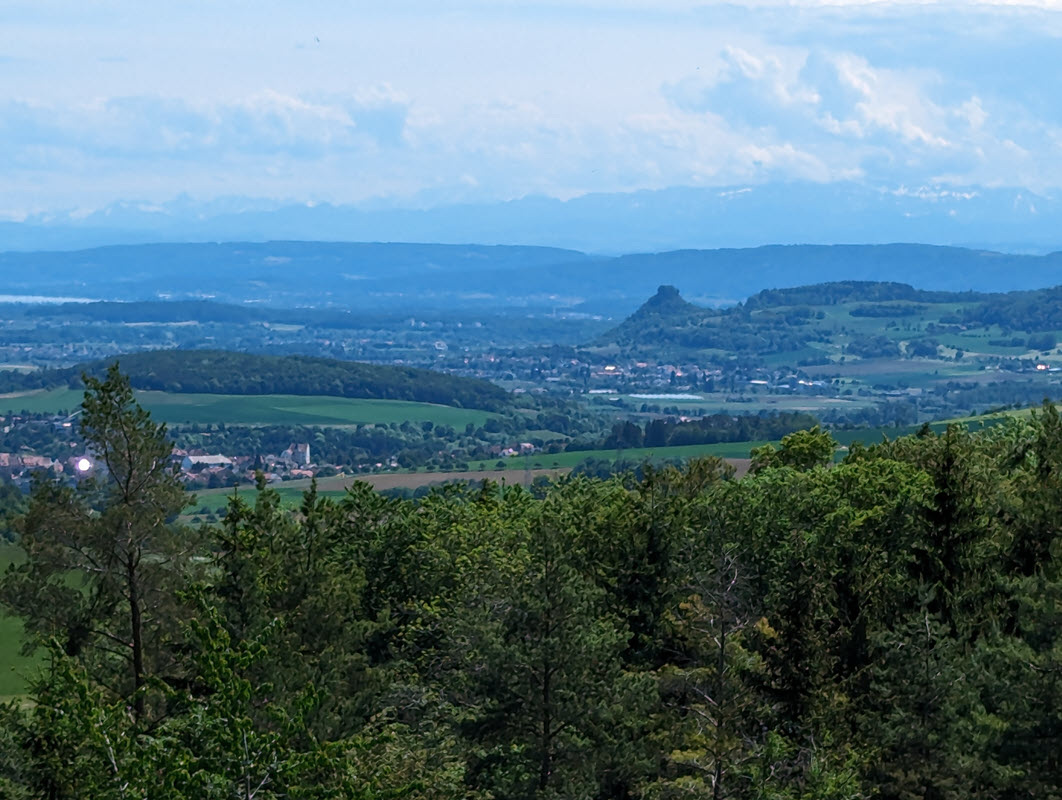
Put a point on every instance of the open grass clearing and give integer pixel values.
(750, 403)
(270, 409)
(555, 464)
(15, 668)
(869, 436)
(41, 402)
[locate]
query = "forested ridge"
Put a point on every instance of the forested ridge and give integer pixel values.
(885, 627)
(225, 372)
(786, 320)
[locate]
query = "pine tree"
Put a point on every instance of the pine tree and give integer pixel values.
(104, 560)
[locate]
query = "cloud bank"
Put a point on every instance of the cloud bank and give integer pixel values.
(483, 102)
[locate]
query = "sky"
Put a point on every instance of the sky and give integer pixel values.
(419, 103)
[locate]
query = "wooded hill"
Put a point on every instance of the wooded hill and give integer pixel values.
(859, 318)
(223, 372)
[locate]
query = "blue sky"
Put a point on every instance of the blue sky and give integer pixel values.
(415, 104)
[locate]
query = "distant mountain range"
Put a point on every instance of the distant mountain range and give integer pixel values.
(1010, 219)
(420, 277)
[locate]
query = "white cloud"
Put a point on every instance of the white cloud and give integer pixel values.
(818, 114)
(973, 113)
(478, 100)
(892, 102)
(171, 128)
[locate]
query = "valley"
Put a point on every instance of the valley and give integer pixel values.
(519, 391)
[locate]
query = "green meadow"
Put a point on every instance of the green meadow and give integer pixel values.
(42, 402)
(270, 409)
(214, 500)
(749, 403)
(14, 667)
(732, 450)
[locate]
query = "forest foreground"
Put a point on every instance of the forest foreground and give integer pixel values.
(887, 626)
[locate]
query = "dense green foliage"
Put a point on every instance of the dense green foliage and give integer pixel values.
(710, 429)
(885, 627)
(1024, 311)
(875, 292)
(224, 372)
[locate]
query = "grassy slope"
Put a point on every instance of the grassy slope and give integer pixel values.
(216, 499)
(42, 402)
(260, 409)
(14, 667)
(733, 450)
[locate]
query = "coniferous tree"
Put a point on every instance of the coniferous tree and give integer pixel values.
(104, 560)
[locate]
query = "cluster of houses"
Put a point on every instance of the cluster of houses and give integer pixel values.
(14, 466)
(196, 466)
(523, 448)
(199, 467)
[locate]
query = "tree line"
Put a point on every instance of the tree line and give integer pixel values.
(887, 627)
(225, 372)
(709, 429)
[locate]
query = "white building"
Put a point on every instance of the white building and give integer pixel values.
(189, 462)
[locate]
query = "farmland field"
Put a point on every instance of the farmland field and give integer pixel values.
(40, 402)
(272, 409)
(721, 403)
(730, 450)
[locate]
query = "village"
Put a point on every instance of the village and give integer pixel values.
(197, 468)
(50, 444)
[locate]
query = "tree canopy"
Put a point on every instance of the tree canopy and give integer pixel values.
(887, 626)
